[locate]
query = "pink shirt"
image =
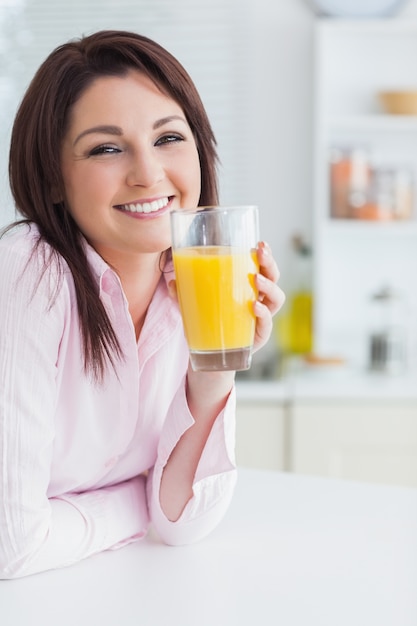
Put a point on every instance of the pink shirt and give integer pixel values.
(81, 463)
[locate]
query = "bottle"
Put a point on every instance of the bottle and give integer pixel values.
(349, 180)
(403, 193)
(300, 326)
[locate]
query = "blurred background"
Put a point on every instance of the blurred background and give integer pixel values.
(306, 98)
(251, 61)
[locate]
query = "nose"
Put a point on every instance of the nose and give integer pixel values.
(145, 169)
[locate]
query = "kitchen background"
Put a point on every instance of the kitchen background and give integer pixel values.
(294, 101)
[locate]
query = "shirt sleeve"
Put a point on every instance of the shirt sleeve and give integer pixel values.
(37, 533)
(215, 477)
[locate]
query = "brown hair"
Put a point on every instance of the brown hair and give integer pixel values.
(35, 168)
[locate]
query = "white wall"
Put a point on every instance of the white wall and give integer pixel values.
(281, 143)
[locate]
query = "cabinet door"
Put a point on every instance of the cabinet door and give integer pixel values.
(260, 435)
(375, 442)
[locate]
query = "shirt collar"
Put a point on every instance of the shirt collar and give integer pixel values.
(99, 266)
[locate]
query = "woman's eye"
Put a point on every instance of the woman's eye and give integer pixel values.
(171, 138)
(104, 149)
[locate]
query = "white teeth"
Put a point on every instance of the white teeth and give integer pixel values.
(146, 207)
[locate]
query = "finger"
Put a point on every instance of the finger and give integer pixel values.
(270, 294)
(267, 264)
(264, 325)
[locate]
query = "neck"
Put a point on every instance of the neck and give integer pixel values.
(139, 278)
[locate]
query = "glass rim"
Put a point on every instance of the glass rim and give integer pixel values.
(215, 208)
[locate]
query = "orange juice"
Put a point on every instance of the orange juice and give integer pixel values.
(215, 286)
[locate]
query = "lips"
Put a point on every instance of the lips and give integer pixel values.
(145, 207)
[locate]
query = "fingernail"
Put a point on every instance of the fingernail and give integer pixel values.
(265, 247)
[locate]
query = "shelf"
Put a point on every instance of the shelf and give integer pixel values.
(388, 228)
(373, 123)
(330, 382)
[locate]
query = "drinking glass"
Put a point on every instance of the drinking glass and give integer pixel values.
(215, 261)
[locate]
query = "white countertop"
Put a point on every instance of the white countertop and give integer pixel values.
(331, 383)
(291, 551)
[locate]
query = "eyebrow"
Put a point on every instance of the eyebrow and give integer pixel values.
(116, 130)
(167, 120)
(108, 130)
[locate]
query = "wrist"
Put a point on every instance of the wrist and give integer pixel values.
(208, 390)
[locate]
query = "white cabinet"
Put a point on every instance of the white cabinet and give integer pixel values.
(370, 441)
(355, 433)
(354, 60)
(260, 434)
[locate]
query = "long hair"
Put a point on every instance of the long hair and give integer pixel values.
(35, 164)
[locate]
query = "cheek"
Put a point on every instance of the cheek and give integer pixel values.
(192, 177)
(80, 204)
(83, 191)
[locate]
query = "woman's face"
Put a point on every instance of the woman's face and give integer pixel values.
(128, 158)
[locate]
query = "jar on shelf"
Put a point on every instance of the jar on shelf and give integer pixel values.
(349, 179)
(379, 199)
(361, 189)
(390, 195)
(403, 193)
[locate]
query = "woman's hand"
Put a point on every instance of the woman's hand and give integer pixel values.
(270, 298)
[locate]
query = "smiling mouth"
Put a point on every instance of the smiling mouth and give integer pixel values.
(145, 207)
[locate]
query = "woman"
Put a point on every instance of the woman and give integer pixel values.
(104, 427)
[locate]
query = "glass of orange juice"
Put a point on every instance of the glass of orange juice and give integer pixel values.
(215, 261)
